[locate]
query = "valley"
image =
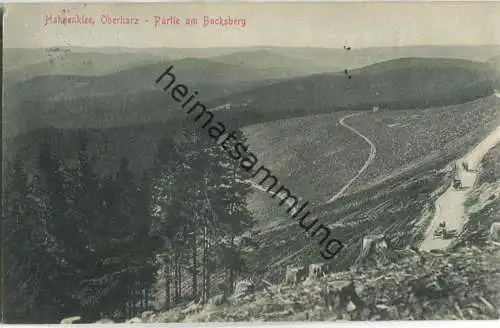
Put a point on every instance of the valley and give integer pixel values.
(371, 154)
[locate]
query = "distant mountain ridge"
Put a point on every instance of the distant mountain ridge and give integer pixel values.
(74, 63)
(254, 96)
(213, 79)
(270, 58)
(328, 59)
(402, 83)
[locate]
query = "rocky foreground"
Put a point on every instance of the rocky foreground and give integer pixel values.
(460, 284)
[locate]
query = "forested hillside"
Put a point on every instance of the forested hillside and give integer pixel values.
(130, 97)
(116, 202)
(405, 83)
(210, 78)
(87, 241)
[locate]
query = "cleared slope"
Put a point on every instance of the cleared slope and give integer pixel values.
(403, 137)
(315, 156)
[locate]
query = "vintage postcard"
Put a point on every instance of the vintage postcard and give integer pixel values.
(223, 162)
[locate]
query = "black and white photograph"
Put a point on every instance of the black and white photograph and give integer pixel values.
(250, 162)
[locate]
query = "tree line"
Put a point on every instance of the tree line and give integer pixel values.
(79, 242)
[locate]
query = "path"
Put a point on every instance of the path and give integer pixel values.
(342, 191)
(450, 205)
(373, 152)
(338, 194)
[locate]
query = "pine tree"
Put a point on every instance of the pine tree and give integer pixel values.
(201, 202)
(167, 203)
(63, 218)
(24, 235)
(34, 269)
(125, 247)
(228, 193)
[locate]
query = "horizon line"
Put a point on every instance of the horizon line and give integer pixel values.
(256, 46)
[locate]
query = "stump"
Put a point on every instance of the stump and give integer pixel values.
(317, 270)
(341, 295)
(295, 275)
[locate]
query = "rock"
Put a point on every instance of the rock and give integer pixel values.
(70, 320)
(350, 306)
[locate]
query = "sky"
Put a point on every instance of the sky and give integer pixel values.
(329, 25)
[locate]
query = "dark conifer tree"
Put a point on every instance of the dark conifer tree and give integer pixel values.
(36, 241)
(27, 264)
(203, 207)
(127, 258)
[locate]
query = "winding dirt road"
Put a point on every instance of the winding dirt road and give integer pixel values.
(450, 205)
(342, 191)
(338, 194)
(373, 152)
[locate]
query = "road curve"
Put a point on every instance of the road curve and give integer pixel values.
(373, 152)
(342, 191)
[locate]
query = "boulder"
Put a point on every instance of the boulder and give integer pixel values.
(350, 306)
